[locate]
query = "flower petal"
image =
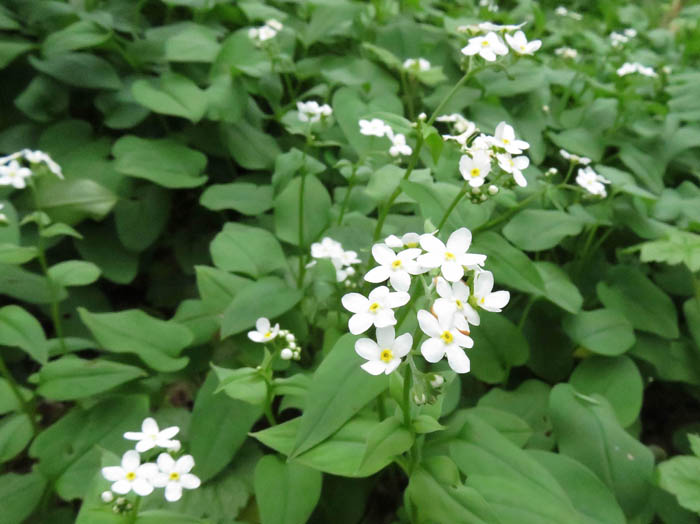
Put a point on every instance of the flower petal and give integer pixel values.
(397, 299)
(400, 280)
(367, 348)
(432, 350)
(496, 301)
(190, 481)
(409, 254)
(428, 323)
(378, 274)
(360, 322)
(134, 435)
(483, 283)
(144, 445)
(255, 336)
(122, 487)
(384, 318)
(149, 426)
(383, 254)
(355, 303)
(184, 464)
(142, 487)
(432, 244)
(173, 491)
(459, 241)
(113, 473)
(385, 337)
(169, 433)
(431, 260)
(131, 460)
(165, 462)
(458, 360)
(452, 271)
(402, 345)
(443, 288)
(374, 367)
(262, 325)
(391, 366)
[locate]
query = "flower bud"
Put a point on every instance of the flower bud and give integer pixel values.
(107, 496)
(493, 189)
(175, 446)
(289, 337)
(419, 399)
(286, 354)
(437, 380)
(476, 190)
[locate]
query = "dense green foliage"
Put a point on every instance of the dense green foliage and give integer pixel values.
(193, 192)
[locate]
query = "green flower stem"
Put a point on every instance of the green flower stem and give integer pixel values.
(408, 94)
(266, 372)
(302, 186)
(27, 407)
(134, 513)
(407, 382)
(454, 203)
(508, 213)
(530, 302)
(346, 200)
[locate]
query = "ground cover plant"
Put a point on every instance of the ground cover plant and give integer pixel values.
(339, 261)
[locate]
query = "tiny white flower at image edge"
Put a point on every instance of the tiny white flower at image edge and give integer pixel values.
(151, 436)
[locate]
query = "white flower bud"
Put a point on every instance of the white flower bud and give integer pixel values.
(545, 108)
(422, 116)
(476, 190)
(107, 496)
(493, 189)
(437, 381)
(174, 446)
(419, 399)
(297, 355)
(289, 337)
(286, 354)
(483, 198)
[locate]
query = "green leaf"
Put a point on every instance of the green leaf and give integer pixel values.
(603, 331)
(58, 229)
(339, 389)
(509, 265)
(157, 342)
(15, 433)
(70, 377)
(680, 247)
(681, 476)
(498, 346)
(79, 35)
(13, 254)
(74, 273)
(317, 206)
(20, 495)
(388, 440)
(8, 400)
(580, 141)
(212, 443)
(559, 289)
(285, 493)
(587, 430)
(79, 70)
(248, 250)
(171, 94)
(246, 384)
(72, 200)
(164, 162)
(20, 329)
(249, 199)
(644, 304)
(540, 229)
(27, 286)
(141, 219)
(216, 287)
(507, 424)
(268, 297)
(249, 146)
(617, 379)
(11, 49)
(196, 43)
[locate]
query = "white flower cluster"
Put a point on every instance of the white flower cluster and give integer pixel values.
(628, 68)
(490, 5)
(586, 177)
(265, 32)
(573, 158)
(566, 52)
(265, 332)
(312, 112)
(341, 259)
(447, 324)
(502, 147)
(166, 472)
(13, 173)
(563, 11)
(618, 39)
(490, 46)
(416, 64)
(377, 127)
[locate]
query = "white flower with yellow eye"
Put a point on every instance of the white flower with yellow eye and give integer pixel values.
(485, 298)
(376, 309)
(504, 137)
(396, 267)
(131, 475)
(475, 168)
(384, 355)
(175, 475)
(518, 43)
(445, 339)
(592, 181)
(407, 240)
(455, 297)
(487, 47)
(150, 436)
(263, 332)
(451, 257)
(13, 174)
(514, 166)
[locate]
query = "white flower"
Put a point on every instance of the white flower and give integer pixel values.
(107, 496)
(450, 258)
(563, 11)
(384, 355)
(374, 127)
(398, 268)
(265, 32)
(416, 64)
(475, 168)
(488, 47)
(131, 475)
(518, 43)
(14, 156)
(574, 159)
(175, 475)
(566, 52)
(514, 166)
(274, 24)
(407, 240)
(504, 137)
(490, 26)
(14, 175)
(327, 248)
(375, 310)
(398, 145)
(312, 112)
(263, 331)
(630, 32)
(462, 125)
(628, 68)
(38, 157)
(485, 299)
(617, 39)
(592, 181)
(174, 446)
(150, 436)
(445, 339)
(455, 298)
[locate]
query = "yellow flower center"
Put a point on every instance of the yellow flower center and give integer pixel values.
(449, 256)
(447, 337)
(484, 43)
(396, 264)
(506, 141)
(386, 355)
(482, 300)
(412, 244)
(174, 476)
(522, 48)
(459, 303)
(130, 476)
(475, 171)
(373, 307)
(267, 335)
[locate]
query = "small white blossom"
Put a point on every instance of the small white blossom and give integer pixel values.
(376, 309)
(398, 145)
(175, 475)
(573, 158)
(312, 112)
(454, 298)
(131, 475)
(445, 339)
(274, 24)
(107, 496)
(263, 331)
(14, 175)
(150, 436)
(327, 248)
(384, 355)
(485, 298)
(487, 47)
(461, 124)
(286, 354)
(563, 11)
(514, 166)
(504, 137)
(265, 32)
(436, 381)
(396, 267)
(451, 257)
(592, 181)
(407, 240)
(475, 168)
(518, 43)
(629, 68)
(566, 52)
(374, 127)
(416, 64)
(490, 26)
(39, 157)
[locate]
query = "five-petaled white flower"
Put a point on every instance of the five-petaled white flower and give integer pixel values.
(374, 127)
(504, 137)
(416, 64)
(407, 240)
(485, 298)
(312, 112)
(263, 332)
(518, 43)
(475, 168)
(14, 175)
(38, 157)
(131, 475)
(398, 145)
(487, 47)
(150, 436)
(455, 298)
(384, 355)
(592, 181)
(573, 158)
(397, 267)
(376, 309)
(175, 475)
(514, 166)
(450, 258)
(445, 339)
